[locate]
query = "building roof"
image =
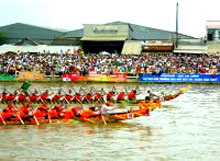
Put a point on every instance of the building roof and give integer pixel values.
(137, 32)
(19, 31)
(74, 33)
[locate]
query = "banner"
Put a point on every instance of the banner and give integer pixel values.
(117, 77)
(6, 77)
(31, 76)
(179, 77)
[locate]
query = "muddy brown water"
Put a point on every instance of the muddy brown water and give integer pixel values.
(187, 128)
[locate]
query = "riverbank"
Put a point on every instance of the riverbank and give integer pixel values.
(129, 81)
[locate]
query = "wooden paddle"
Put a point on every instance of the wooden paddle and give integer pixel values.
(65, 97)
(3, 120)
(34, 116)
(19, 117)
(103, 118)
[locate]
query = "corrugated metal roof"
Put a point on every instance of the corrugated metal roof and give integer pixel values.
(74, 33)
(138, 32)
(19, 31)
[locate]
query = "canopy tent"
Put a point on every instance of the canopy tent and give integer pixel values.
(38, 49)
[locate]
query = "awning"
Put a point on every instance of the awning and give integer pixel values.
(107, 38)
(190, 51)
(132, 47)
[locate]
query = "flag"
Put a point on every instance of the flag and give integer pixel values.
(25, 86)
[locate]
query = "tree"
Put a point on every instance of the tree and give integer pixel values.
(3, 38)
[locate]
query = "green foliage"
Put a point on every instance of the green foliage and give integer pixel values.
(3, 38)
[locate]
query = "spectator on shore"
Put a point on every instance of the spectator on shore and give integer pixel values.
(57, 64)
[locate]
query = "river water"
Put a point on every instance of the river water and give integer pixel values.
(186, 128)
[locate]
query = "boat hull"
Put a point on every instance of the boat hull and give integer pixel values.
(110, 118)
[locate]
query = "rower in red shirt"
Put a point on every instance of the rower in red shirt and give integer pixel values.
(87, 97)
(132, 95)
(23, 112)
(44, 96)
(57, 96)
(55, 112)
(23, 97)
(34, 96)
(121, 96)
(109, 96)
(12, 97)
(88, 112)
(98, 97)
(8, 112)
(4, 95)
(41, 112)
(77, 97)
(69, 96)
(72, 112)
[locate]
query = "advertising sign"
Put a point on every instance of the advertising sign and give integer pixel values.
(6, 77)
(118, 77)
(179, 77)
(31, 76)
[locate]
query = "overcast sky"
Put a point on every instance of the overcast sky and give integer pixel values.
(72, 14)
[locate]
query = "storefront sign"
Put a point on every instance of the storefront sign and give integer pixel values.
(179, 77)
(119, 77)
(105, 29)
(31, 76)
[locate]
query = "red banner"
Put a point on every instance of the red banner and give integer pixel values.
(119, 77)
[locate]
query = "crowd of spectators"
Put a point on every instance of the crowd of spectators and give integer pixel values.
(57, 64)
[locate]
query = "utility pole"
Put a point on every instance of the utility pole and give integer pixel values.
(177, 5)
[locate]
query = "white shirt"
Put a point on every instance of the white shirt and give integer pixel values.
(105, 109)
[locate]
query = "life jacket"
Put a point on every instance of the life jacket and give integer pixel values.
(131, 95)
(7, 112)
(121, 96)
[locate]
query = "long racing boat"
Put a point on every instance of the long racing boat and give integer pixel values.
(98, 119)
(166, 97)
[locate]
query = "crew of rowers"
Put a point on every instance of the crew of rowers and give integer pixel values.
(59, 111)
(61, 95)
